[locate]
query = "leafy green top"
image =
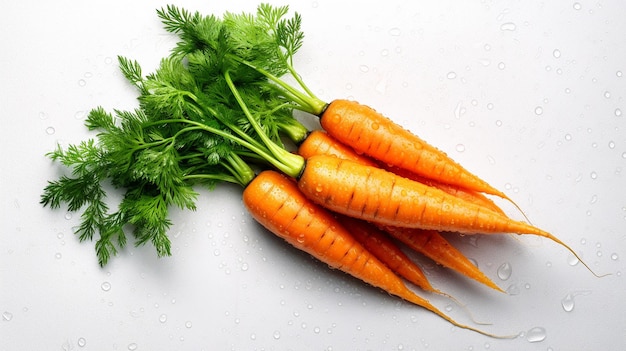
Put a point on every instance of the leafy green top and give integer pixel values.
(204, 115)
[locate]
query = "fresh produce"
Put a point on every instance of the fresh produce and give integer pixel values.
(216, 110)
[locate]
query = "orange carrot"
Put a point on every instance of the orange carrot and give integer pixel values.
(371, 133)
(379, 196)
(381, 246)
(276, 203)
(319, 142)
(433, 245)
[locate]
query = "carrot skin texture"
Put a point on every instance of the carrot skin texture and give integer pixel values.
(434, 246)
(320, 143)
(379, 244)
(371, 133)
(379, 196)
(276, 203)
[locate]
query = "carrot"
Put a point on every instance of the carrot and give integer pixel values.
(319, 142)
(433, 245)
(381, 246)
(276, 203)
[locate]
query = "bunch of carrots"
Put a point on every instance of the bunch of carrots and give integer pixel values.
(219, 109)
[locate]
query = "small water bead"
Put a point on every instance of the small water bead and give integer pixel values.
(451, 75)
(163, 318)
(593, 175)
(508, 27)
(460, 148)
(276, 335)
(577, 6)
(50, 130)
(568, 137)
(607, 94)
(58, 255)
(556, 53)
(611, 144)
(82, 83)
(504, 271)
(618, 74)
(536, 334)
(395, 32)
(501, 66)
(132, 346)
(106, 286)
(364, 68)
(618, 112)
(82, 342)
(538, 110)
(7, 316)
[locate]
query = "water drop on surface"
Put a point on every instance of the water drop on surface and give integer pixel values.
(536, 334)
(188, 324)
(276, 335)
(577, 6)
(614, 256)
(568, 303)
(82, 82)
(364, 68)
(82, 342)
(50, 130)
(618, 73)
(163, 318)
(58, 255)
(593, 175)
(504, 271)
(538, 110)
(501, 66)
(132, 346)
(451, 75)
(7, 316)
(395, 32)
(556, 53)
(106, 286)
(460, 147)
(607, 94)
(618, 112)
(509, 26)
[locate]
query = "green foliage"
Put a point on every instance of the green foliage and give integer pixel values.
(204, 114)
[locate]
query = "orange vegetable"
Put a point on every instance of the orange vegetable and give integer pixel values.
(320, 143)
(276, 203)
(373, 134)
(433, 245)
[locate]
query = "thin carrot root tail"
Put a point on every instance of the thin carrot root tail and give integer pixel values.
(558, 241)
(424, 303)
(518, 207)
(462, 305)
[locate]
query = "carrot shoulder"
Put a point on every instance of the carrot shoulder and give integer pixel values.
(276, 203)
(371, 133)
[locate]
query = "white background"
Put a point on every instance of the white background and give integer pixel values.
(529, 95)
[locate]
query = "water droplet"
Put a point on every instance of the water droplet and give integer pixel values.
(501, 66)
(498, 123)
(244, 266)
(68, 216)
(572, 260)
(7, 316)
(216, 252)
(82, 83)
(106, 286)
(82, 342)
(618, 73)
(577, 6)
(536, 334)
(489, 106)
(50, 130)
(384, 52)
(568, 303)
(614, 256)
(375, 126)
(276, 335)
(132, 346)
(593, 175)
(451, 75)
(460, 147)
(504, 271)
(618, 112)
(556, 53)
(568, 137)
(538, 110)
(508, 26)
(58, 255)
(611, 144)
(163, 318)
(607, 94)
(188, 324)
(395, 32)
(364, 68)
